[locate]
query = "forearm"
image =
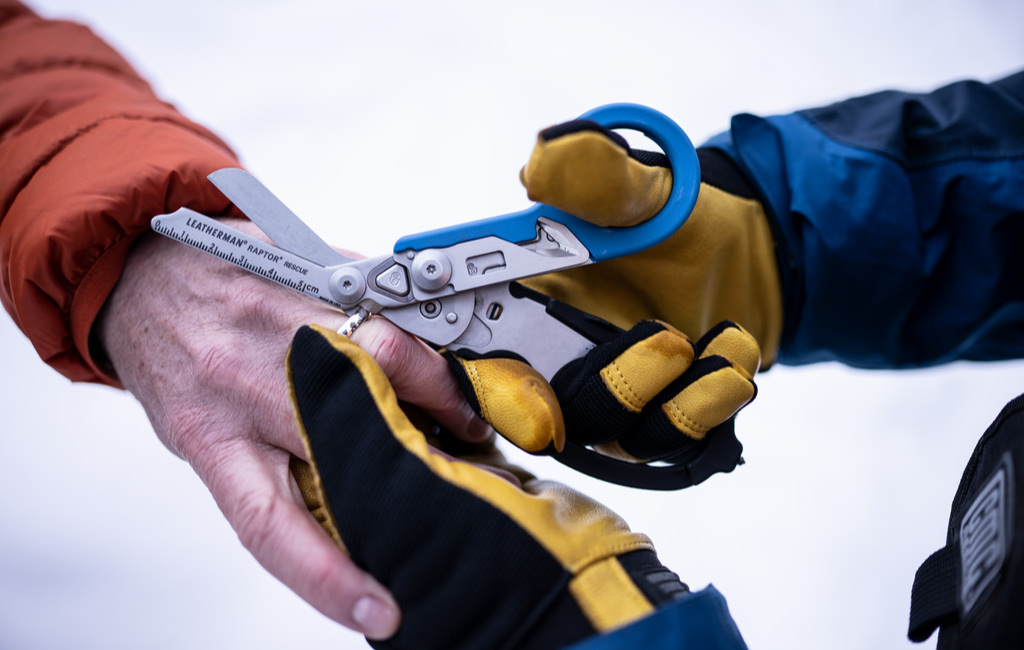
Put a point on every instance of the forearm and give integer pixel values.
(89, 155)
(898, 217)
(179, 319)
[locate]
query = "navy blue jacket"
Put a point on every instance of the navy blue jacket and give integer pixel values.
(699, 620)
(899, 222)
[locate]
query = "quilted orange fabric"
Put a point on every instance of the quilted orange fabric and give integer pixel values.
(88, 155)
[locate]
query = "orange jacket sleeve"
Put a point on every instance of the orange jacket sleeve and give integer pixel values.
(88, 155)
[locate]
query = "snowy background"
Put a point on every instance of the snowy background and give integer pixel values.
(376, 119)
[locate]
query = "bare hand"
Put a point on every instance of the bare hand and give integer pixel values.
(202, 344)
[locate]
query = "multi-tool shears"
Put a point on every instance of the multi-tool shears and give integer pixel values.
(455, 287)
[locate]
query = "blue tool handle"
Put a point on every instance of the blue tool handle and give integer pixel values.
(603, 243)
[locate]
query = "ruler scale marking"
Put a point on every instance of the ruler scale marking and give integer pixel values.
(206, 234)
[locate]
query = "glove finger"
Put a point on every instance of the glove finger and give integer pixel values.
(513, 398)
(711, 392)
(591, 171)
(729, 340)
(605, 393)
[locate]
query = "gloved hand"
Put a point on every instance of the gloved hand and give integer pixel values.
(646, 394)
(720, 265)
(477, 556)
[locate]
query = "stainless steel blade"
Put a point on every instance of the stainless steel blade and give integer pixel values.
(274, 218)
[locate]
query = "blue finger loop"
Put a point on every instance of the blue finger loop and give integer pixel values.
(603, 243)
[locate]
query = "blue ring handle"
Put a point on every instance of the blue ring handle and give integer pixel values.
(603, 243)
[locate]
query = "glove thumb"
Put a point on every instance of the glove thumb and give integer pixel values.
(513, 398)
(591, 172)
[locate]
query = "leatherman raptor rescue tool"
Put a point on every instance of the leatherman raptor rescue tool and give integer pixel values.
(456, 287)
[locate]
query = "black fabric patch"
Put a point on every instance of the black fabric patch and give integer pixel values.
(659, 585)
(561, 625)
(596, 329)
(464, 574)
(933, 598)
(649, 158)
(966, 118)
(592, 414)
(655, 437)
(719, 170)
(579, 126)
(463, 381)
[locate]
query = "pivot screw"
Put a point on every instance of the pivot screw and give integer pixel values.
(431, 270)
(347, 285)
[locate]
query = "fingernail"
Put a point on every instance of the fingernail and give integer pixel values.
(376, 619)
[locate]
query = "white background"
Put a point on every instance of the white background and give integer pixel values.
(372, 120)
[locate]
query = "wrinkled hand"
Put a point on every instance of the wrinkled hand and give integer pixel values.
(202, 344)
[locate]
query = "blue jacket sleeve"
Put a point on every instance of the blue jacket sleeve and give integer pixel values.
(899, 220)
(700, 620)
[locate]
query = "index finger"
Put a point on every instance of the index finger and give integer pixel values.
(420, 376)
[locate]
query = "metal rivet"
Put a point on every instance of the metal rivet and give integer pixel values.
(430, 309)
(347, 285)
(431, 270)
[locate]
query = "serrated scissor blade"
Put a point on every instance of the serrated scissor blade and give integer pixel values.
(275, 218)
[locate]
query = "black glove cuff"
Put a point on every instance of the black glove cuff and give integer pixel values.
(719, 170)
(564, 623)
(649, 158)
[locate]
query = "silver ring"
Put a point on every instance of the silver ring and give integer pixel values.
(353, 322)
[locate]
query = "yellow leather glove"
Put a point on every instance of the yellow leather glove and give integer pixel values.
(719, 266)
(648, 394)
(474, 559)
